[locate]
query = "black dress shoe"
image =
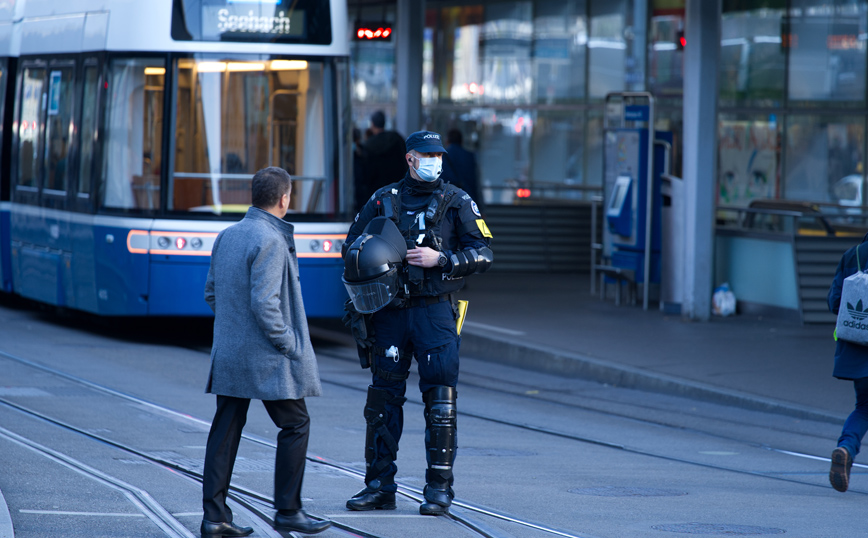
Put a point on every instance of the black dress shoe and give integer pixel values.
(437, 501)
(372, 499)
(210, 529)
(300, 522)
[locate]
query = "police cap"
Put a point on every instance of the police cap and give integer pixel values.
(425, 142)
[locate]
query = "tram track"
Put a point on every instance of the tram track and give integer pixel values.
(248, 498)
(477, 527)
(591, 409)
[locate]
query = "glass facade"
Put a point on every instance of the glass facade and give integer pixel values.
(525, 82)
(792, 101)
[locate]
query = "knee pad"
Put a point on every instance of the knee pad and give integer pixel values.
(441, 420)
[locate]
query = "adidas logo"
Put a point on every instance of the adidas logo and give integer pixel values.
(856, 312)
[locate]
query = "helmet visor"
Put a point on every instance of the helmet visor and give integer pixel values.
(372, 295)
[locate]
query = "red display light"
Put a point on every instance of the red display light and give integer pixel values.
(682, 41)
(374, 32)
(327, 246)
(522, 193)
(180, 243)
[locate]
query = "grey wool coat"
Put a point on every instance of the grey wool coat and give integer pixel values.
(262, 346)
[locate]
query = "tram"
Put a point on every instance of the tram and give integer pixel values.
(130, 134)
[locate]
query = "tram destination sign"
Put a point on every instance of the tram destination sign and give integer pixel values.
(281, 21)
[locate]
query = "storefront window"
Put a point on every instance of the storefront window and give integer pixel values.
(557, 149)
(666, 49)
(753, 53)
(504, 152)
(560, 39)
(612, 66)
(827, 51)
(456, 54)
(506, 51)
(823, 155)
(748, 159)
(372, 67)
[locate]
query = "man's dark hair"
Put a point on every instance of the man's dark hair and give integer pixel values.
(378, 119)
(269, 184)
(454, 136)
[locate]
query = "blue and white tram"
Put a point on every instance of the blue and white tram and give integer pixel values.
(131, 132)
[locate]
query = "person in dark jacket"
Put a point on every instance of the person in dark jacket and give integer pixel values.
(459, 166)
(383, 158)
(261, 351)
(851, 363)
(447, 241)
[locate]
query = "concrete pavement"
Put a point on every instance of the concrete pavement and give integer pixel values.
(552, 323)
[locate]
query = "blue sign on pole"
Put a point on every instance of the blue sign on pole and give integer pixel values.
(636, 113)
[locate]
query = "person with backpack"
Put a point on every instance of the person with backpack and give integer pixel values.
(446, 241)
(851, 363)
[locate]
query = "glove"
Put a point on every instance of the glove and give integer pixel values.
(359, 326)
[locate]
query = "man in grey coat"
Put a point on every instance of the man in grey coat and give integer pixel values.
(261, 351)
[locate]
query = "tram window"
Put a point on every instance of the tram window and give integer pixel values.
(89, 119)
(133, 142)
(235, 117)
(30, 128)
(58, 127)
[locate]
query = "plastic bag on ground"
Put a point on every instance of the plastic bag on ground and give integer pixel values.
(723, 301)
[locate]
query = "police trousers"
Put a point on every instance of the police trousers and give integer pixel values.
(426, 332)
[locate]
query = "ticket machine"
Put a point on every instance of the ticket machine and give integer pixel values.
(629, 155)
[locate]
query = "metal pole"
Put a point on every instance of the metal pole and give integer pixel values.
(593, 244)
(408, 56)
(649, 204)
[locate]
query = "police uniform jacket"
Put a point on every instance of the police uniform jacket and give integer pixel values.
(851, 360)
(460, 228)
(262, 346)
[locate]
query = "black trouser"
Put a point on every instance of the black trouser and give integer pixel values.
(294, 423)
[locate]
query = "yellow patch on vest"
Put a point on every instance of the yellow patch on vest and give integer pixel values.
(483, 228)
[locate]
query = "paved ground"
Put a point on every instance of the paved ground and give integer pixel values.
(553, 323)
(604, 461)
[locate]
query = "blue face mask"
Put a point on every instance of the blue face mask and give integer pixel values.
(429, 168)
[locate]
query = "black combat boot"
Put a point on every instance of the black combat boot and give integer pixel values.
(372, 498)
(437, 501)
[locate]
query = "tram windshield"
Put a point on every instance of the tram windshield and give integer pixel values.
(234, 117)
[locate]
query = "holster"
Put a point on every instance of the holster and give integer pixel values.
(363, 333)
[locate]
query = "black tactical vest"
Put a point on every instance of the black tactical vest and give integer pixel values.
(425, 227)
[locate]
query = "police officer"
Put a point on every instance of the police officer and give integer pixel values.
(446, 240)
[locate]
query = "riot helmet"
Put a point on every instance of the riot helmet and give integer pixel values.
(372, 265)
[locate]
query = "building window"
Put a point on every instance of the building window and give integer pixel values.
(823, 154)
(827, 51)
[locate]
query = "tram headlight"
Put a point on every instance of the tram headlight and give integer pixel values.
(196, 243)
(163, 242)
(180, 243)
(314, 245)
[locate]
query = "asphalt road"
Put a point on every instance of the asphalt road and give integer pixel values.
(103, 426)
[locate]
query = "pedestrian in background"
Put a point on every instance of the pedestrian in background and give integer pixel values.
(261, 351)
(383, 157)
(459, 166)
(851, 363)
